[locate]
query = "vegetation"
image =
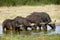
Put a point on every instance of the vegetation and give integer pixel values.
(27, 2)
(40, 37)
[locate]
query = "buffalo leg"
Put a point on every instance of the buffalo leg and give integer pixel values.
(44, 27)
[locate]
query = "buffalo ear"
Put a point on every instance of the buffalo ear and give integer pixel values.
(54, 21)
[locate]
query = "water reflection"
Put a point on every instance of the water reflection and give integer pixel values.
(31, 32)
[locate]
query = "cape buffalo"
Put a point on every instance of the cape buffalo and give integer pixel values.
(40, 17)
(7, 24)
(23, 22)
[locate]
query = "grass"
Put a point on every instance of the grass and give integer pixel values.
(40, 37)
(27, 2)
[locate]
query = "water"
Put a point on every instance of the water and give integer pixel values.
(31, 32)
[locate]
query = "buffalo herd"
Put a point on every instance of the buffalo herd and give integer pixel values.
(40, 19)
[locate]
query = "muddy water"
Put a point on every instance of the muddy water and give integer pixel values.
(32, 32)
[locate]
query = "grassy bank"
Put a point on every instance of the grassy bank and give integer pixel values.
(40, 37)
(27, 2)
(12, 12)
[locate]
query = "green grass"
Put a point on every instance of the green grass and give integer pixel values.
(27, 2)
(39, 37)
